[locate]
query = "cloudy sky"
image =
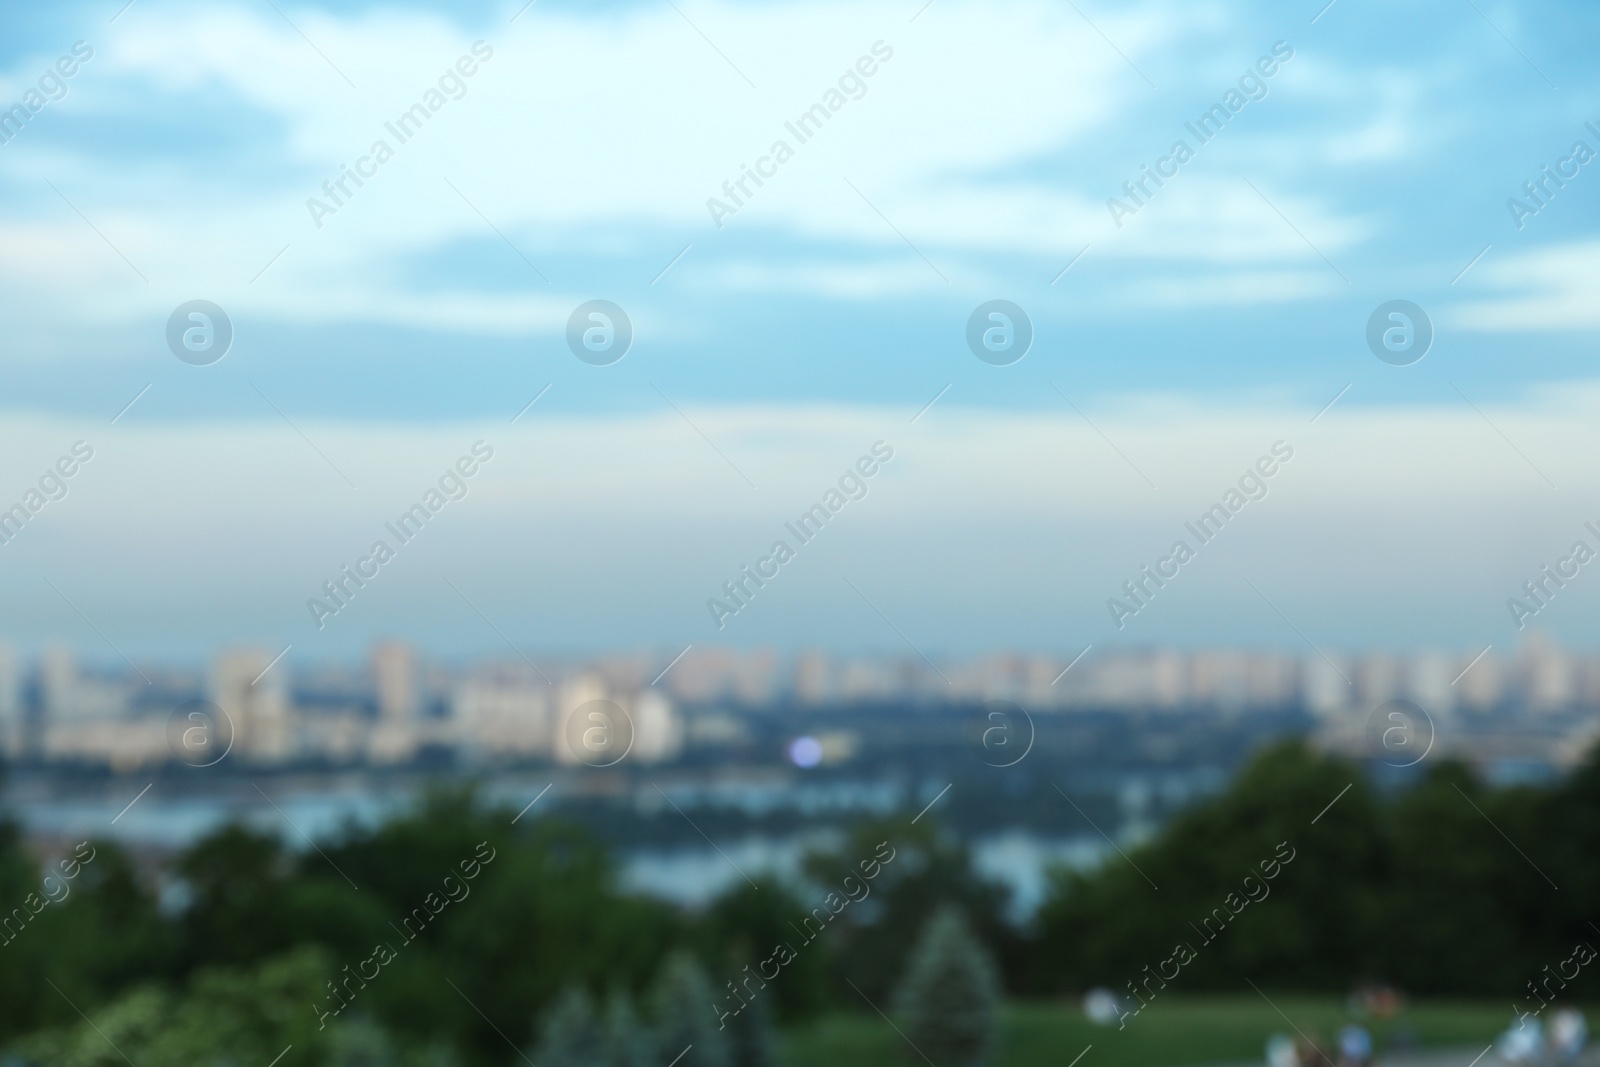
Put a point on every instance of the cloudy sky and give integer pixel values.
(1173, 345)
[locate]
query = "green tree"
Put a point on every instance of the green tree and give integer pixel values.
(685, 1015)
(24, 954)
(228, 1016)
(750, 1036)
(745, 926)
(104, 930)
(1266, 881)
(623, 1039)
(570, 1034)
(904, 873)
(545, 914)
(361, 1042)
(539, 911)
(1559, 830)
(1455, 889)
(238, 881)
(949, 994)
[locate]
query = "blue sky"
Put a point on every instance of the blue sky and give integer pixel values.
(976, 165)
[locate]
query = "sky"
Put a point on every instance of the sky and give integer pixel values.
(1179, 332)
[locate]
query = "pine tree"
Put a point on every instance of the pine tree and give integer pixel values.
(360, 1042)
(750, 1036)
(949, 994)
(570, 1035)
(685, 1011)
(624, 1039)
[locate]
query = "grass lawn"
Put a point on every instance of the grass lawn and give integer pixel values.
(1169, 1033)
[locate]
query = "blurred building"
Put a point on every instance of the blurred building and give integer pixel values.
(1377, 679)
(657, 728)
(394, 682)
(256, 702)
(1325, 687)
(84, 718)
(397, 735)
(503, 710)
(71, 697)
(573, 694)
(1427, 683)
(1482, 687)
(13, 723)
(1527, 702)
(707, 674)
(1548, 677)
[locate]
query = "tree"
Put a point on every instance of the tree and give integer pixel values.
(750, 1036)
(1294, 848)
(1439, 847)
(361, 1043)
(949, 994)
(229, 1016)
(570, 1036)
(237, 880)
(685, 1015)
(622, 1037)
(105, 932)
(904, 873)
(745, 926)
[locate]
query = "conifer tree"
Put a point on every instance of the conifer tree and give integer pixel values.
(570, 1034)
(623, 1037)
(949, 994)
(750, 1036)
(685, 1013)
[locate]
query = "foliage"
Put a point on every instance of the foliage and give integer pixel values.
(929, 870)
(684, 1013)
(744, 927)
(229, 1016)
(751, 1041)
(570, 1036)
(949, 994)
(1444, 886)
(623, 1039)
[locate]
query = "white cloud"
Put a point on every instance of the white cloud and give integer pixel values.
(1555, 285)
(583, 134)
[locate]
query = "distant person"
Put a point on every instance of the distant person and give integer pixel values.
(1310, 1050)
(1522, 1044)
(1568, 1034)
(1102, 1006)
(1281, 1051)
(1355, 1046)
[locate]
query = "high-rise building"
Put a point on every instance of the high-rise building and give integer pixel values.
(657, 728)
(1325, 686)
(256, 702)
(813, 678)
(397, 735)
(1548, 677)
(58, 676)
(1480, 685)
(13, 736)
(70, 697)
(575, 692)
(1427, 683)
(504, 711)
(1377, 679)
(755, 676)
(394, 680)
